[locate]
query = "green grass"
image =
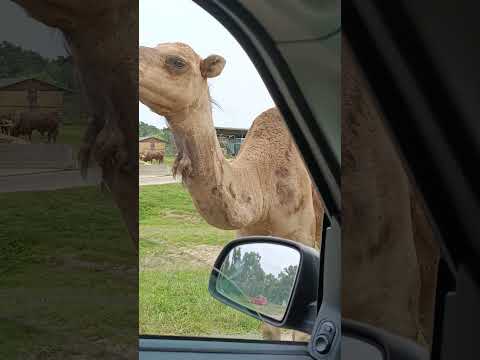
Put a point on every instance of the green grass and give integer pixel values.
(67, 274)
(177, 303)
(168, 160)
(174, 298)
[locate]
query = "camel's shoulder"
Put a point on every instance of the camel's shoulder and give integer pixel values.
(268, 123)
(267, 136)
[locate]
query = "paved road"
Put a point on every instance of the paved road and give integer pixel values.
(12, 180)
(157, 174)
(154, 169)
(44, 179)
(157, 180)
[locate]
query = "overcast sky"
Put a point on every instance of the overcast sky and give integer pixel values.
(18, 28)
(239, 90)
(274, 258)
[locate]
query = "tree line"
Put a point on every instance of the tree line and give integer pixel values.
(145, 129)
(16, 62)
(248, 275)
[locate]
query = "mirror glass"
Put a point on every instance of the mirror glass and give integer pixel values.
(260, 277)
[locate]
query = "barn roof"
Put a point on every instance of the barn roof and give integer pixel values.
(230, 128)
(230, 131)
(10, 81)
(151, 137)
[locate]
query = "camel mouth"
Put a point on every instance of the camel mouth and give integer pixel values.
(154, 98)
(157, 108)
(146, 98)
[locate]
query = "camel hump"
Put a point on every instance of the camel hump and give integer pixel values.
(268, 125)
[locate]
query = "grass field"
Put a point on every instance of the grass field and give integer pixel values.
(168, 160)
(177, 250)
(67, 274)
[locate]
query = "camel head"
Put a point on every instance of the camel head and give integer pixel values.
(173, 78)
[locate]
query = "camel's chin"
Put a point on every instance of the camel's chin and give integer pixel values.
(153, 100)
(160, 110)
(156, 107)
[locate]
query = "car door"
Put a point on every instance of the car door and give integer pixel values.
(421, 61)
(297, 53)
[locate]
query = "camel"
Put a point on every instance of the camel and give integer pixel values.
(102, 37)
(389, 257)
(265, 190)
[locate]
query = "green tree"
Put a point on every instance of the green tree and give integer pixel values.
(145, 129)
(16, 62)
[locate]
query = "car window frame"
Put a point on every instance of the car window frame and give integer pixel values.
(282, 86)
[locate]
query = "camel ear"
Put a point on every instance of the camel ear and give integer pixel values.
(212, 66)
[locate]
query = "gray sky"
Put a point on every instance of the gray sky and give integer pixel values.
(18, 28)
(239, 90)
(274, 258)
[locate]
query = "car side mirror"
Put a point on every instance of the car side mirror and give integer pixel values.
(272, 279)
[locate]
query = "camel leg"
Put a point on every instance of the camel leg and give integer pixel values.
(270, 332)
(300, 336)
(273, 333)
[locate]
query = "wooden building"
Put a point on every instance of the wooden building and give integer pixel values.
(151, 143)
(231, 139)
(30, 94)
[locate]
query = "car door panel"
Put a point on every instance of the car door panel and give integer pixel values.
(224, 349)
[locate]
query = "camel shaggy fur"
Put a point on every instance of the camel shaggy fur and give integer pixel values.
(102, 37)
(265, 190)
(389, 257)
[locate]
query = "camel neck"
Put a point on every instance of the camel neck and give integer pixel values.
(197, 142)
(217, 186)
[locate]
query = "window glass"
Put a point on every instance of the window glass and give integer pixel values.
(222, 173)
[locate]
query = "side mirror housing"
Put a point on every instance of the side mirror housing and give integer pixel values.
(272, 279)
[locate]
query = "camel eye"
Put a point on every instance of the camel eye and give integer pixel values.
(175, 62)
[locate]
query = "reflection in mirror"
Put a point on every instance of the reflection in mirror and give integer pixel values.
(260, 277)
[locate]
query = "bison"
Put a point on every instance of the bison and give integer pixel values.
(151, 155)
(26, 122)
(5, 123)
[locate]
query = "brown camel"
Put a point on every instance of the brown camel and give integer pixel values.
(265, 190)
(388, 254)
(102, 37)
(389, 258)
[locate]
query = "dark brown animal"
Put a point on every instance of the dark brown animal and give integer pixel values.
(49, 124)
(26, 122)
(6, 123)
(22, 127)
(152, 155)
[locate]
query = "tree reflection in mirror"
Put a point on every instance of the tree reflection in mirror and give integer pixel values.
(260, 277)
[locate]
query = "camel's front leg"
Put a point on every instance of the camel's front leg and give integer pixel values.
(273, 333)
(300, 336)
(270, 332)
